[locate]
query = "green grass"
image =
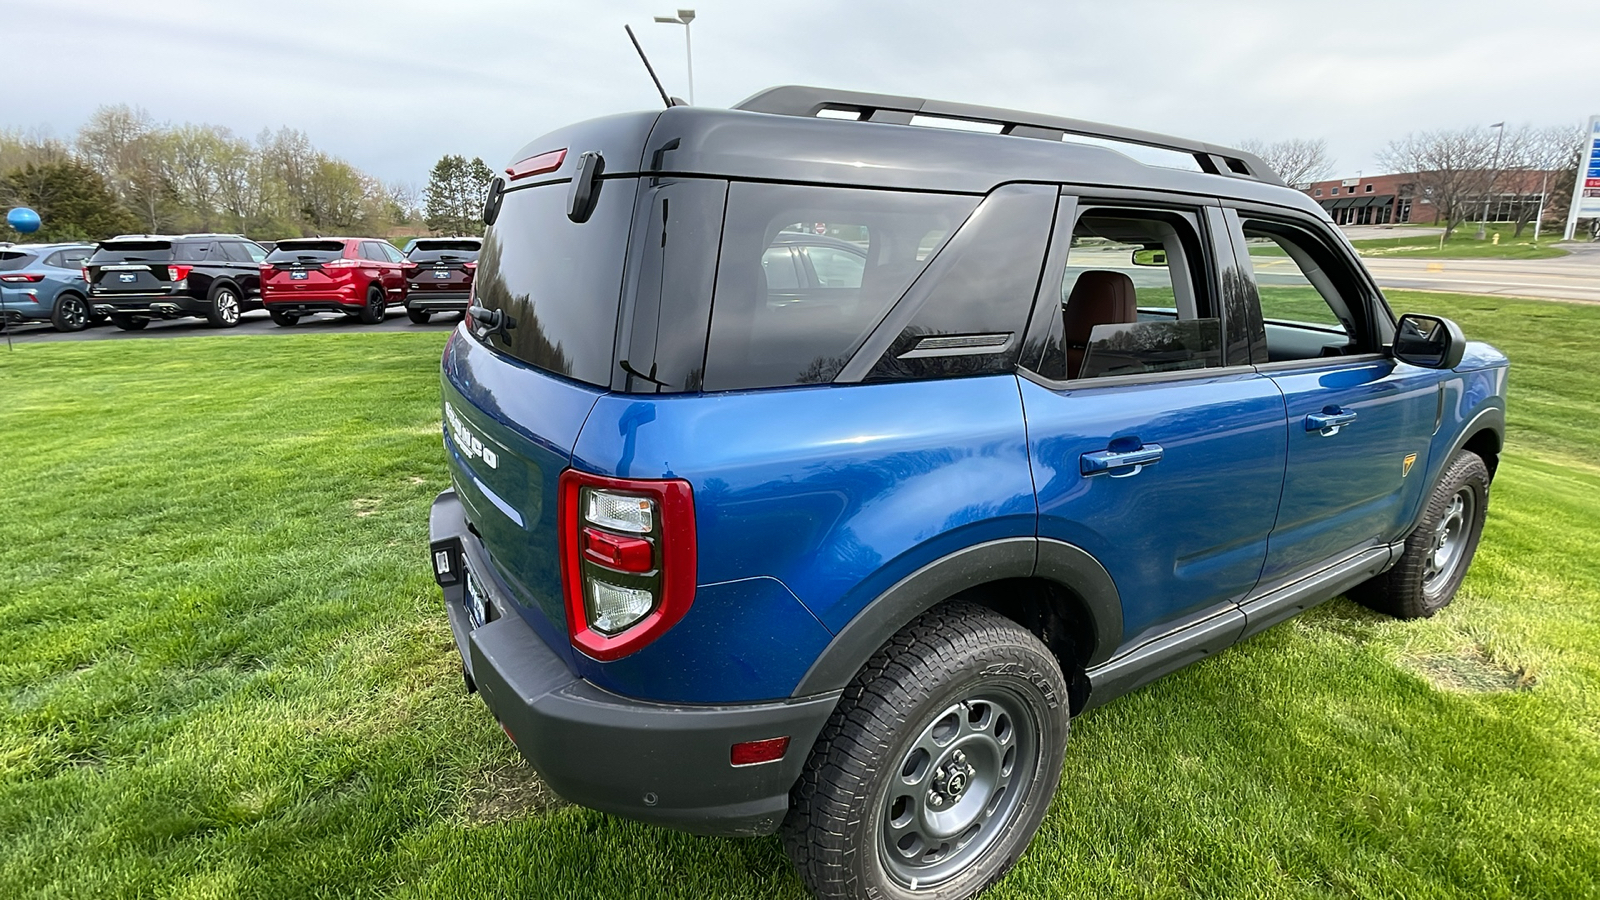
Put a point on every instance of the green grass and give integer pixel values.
(224, 671)
(1463, 244)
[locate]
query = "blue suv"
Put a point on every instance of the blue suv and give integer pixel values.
(838, 550)
(44, 283)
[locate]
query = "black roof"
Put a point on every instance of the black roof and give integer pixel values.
(777, 135)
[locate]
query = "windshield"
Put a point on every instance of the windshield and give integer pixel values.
(132, 252)
(306, 252)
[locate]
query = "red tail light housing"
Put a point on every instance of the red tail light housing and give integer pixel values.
(178, 273)
(641, 562)
(21, 279)
(342, 264)
(470, 266)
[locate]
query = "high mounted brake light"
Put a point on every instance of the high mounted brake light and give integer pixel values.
(627, 560)
(537, 165)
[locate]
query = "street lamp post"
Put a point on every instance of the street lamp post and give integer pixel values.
(684, 17)
(1494, 175)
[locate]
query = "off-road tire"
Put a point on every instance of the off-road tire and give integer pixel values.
(835, 831)
(70, 313)
(373, 312)
(1406, 591)
(129, 323)
(226, 307)
(284, 319)
(418, 316)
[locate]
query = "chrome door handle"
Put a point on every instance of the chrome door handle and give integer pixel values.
(1330, 420)
(1113, 462)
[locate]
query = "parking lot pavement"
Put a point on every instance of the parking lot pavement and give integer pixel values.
(254, 322)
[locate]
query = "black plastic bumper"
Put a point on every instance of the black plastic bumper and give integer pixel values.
(668, 764)
(443, 301)
(161, 306)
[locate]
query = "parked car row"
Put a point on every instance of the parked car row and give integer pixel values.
(132, 279)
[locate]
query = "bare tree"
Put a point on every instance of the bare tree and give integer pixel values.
(1298, 161)
(1452, 166)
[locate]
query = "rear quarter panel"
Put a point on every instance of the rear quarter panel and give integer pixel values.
(809, 503)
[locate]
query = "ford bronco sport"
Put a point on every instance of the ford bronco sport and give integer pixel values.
(838, 550)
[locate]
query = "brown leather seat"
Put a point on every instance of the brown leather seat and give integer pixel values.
(1099, 297)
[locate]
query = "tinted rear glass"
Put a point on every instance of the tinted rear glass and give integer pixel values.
(444, 251)
(558, 280)
(132, 251)
(853, 252)
(306, 251)
(11, 260)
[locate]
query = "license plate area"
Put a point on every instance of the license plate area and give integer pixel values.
(298, 276)
(442, 274)
(475, 599)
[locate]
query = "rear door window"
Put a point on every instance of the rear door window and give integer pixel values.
(859, 251)
(558, 281)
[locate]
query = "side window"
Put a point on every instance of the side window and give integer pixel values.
(371, 251)
(57, 260)
(765, 336)
(235, 252)
(197, 252)
(255, 252)
(391, 253)
(834, 267)
(1303, 290)
(1135, 298)
(967, 315)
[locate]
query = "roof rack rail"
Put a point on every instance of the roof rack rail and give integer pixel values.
(807, 102)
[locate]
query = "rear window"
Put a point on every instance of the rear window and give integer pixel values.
(444, 251)
(306, 251)
(132, 251)
(559, 281)
(11, 260)
(807, 272)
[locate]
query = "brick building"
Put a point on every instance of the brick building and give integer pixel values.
(1394, 199)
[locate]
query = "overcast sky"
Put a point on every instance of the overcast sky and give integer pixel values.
(391, 86)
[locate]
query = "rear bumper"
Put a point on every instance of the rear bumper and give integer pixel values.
(313, 302)
(437, 301)
(164, 306)
(667, 764)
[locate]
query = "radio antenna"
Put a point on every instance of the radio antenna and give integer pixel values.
(647, 67)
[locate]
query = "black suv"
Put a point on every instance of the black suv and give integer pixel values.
(136, 278)
(439, 275)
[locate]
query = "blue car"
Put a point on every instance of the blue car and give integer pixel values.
(811, 472)
(44, 282)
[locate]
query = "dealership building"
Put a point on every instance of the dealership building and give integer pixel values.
(1395, 199)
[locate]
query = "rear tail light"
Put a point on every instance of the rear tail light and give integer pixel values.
(178, 273)
(627, 560)
(18, 279)
(341, 264)
(470, 266)
(85, 271)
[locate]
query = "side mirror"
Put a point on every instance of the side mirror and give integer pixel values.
(1429, 341)
(1150, 256)
(585, 189)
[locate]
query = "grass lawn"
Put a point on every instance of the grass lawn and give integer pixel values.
(1464, 244)
(224, 670)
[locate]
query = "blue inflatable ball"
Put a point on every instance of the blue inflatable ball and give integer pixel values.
(23, 219)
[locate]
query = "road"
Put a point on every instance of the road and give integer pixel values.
(1572, 277)
(254, 322)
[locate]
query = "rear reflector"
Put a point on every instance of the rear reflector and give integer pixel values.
(751, 753)
(537, 165)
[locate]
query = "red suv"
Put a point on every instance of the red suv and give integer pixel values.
(360, 277)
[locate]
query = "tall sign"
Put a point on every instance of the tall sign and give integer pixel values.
(1586, 192)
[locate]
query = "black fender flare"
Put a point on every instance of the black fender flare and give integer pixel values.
(1491, 419)
(1017, 557)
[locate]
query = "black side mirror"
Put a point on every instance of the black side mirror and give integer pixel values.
(1432, 342)
(491, 201)
(585, 190)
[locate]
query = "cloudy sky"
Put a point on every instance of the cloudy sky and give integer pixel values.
(391, 86)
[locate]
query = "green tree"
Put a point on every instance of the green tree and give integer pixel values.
(71, 197)
(455, 194)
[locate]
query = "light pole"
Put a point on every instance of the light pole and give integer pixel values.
(684, 17)
(1494, 175)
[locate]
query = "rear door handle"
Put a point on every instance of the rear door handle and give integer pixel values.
(1119, 464)
(1330, 420)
